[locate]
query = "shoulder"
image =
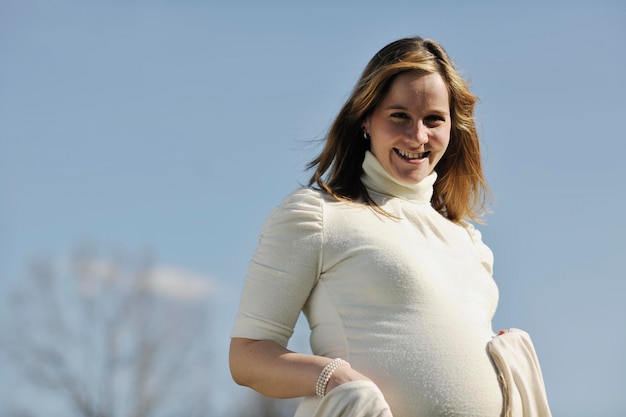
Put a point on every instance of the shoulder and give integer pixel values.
(302, 210)
(310, 208)
(301, 202)
(303, 197)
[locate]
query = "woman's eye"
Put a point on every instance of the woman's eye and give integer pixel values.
(433, 120)
(400, 115)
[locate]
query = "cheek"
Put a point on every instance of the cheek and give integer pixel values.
(445, 143)
(393, 131)
(383, 137)
(444, 139)
(388, 133)
(445, 146)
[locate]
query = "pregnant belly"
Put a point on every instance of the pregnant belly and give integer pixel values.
(443, 381)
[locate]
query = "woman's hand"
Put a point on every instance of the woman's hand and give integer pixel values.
(342, 375)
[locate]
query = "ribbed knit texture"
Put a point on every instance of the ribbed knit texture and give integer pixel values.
(407, 301)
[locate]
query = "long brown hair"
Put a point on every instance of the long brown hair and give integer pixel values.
(460, 190)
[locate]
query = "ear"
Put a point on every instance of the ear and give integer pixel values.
(366, 125)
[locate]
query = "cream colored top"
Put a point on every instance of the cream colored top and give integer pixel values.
(407, 301)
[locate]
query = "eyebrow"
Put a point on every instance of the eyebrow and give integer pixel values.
(396, 107)
(401, 107)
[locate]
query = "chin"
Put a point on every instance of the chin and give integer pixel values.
(416, 177)
(411, 180)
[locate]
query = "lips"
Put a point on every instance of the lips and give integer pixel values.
(411, 156)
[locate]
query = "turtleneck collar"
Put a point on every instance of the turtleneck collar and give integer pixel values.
(377, 179)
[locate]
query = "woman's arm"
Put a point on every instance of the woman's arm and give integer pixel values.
(274, 371)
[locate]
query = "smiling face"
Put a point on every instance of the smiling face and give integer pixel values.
(410, 127)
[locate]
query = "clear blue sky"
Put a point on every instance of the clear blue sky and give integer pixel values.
(178, 124)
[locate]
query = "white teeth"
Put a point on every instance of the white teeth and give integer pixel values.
(411, 155)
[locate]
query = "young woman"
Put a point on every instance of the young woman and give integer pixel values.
(377, 252)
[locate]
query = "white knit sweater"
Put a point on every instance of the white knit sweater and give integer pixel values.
(407, 301)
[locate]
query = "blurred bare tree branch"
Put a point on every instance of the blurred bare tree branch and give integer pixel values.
(106, 338)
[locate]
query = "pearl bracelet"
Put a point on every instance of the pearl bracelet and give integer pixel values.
(322, 381)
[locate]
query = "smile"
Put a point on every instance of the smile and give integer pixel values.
(409, 156)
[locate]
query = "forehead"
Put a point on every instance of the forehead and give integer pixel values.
(418, 89)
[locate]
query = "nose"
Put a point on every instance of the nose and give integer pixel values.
(420, 133)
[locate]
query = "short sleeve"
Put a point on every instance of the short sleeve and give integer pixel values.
(484, 252)
(284, 269)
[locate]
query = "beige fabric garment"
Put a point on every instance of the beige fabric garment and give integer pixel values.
(352, 399)
(520, 375)
(408, 300)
